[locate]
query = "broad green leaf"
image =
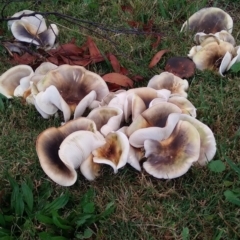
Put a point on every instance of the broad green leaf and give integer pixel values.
(87, 233)
(232, 197)
(44, 219)
(219, 236)
(235, 67)
(87, 197)
(27, 196)
(89, 208)
(17, 201)
(47, 236)
(57, 203)
(185, 233)
(217, 166)
(83, 219)
(59, 222)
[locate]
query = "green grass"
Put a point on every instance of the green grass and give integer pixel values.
(191, 207)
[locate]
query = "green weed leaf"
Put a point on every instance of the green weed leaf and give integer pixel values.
(83, 219)
(217, 166)
(185, 233)
(59, 222)
(27, 195)
(44, 219)
(233, 165)
(108, 210)
(89, 208)
(232, 197)
(57, 203)
(235, 67)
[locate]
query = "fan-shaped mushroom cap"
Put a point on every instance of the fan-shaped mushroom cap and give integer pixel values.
(45, 67)
(48, 37)
(89, 169)
(74, 83)
(207, 139)
(23, 86)
(169, 81)
(50, 101)
(77, 146)
(210, 56)
(226, 61)
(107, 119)
(138, 137)
(209, 20)
(171, 158)
(156, 116)
(114, 152)
(134, 154)
(18, 14)
(47, 146)
(10, 79)
(235, 59)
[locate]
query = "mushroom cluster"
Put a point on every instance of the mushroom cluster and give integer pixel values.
(156, 123)
(33, 29)
(215, 47)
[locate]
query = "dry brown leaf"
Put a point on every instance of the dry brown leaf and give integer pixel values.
(119, 79)
(137, 78)
(26, 58)
(157, 57)
(156, 43)
(95, 54)
(68, 49)
(114, 62)
(127, 8)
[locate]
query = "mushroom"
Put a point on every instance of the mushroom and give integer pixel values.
(10, 79)
(114, 152)
(172, 157)
(73, 84)
(169, 81)
(209, 20)
(156, 116)
(207, 139)
(47, 147)
(107, 119)
(182, 67)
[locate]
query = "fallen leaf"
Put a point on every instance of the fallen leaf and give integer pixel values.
(157, 57)
(127, 8)
(137, 78)
(123, 71)
(134, 24)
(119, 79)
(67, 49)
(95, 54)
(114, 62)
(113, 87)
(148, 27)
(155, 44)
(26, 58)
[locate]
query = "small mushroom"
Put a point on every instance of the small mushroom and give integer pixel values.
(169, 81)
(114, 152)
(107, 119)
(182, 67)
(47, 146)
(10, 79)
(156, 116)
(207, 139)
(209, 20)
(171, 158)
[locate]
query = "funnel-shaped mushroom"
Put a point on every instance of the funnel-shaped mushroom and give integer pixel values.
(74, 83)
(171, 158)
(47, 146)
(77, 147)
(107, 119)
(207, 139)
(156, 116)
(209, 20)
(10, 79)
(114, 152)
(89, 169)
(169, 81)
(50, 101)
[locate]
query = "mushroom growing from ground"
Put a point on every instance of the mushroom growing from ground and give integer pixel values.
(209, 20)
(47, 147)
(172, 157)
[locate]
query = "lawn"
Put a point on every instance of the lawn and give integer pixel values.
(129, 204)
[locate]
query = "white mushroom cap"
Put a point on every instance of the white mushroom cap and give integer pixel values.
(114, 152)
(10, 79)
(208, 142)
(171, 158)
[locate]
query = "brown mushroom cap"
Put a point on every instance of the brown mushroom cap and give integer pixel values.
(171, 158)
(209, 20)
(182, 67)
(47, 146)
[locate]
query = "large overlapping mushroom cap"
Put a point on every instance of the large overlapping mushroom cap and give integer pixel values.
(12, 78)
(209, 20)
(172, 157)
(47, 147)
(77, 86)
(169, 81)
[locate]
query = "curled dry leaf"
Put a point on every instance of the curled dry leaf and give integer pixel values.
(119, 79)
(157, 57)
(95, 54)
(156, 43)
(114, 62)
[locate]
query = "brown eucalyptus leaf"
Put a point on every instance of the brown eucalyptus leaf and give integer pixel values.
(119, 79)
(157, 57)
